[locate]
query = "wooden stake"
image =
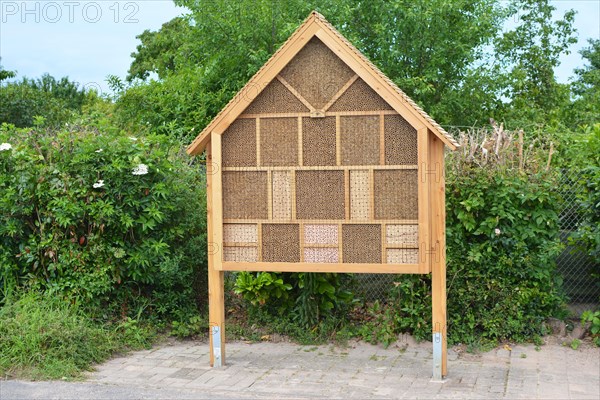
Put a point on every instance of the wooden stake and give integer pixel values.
(520, 151)
(550, 156)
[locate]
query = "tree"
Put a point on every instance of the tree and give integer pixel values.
(55, 100)
(5, 74)
(449, 56)
(161, 51)
(586, 88)
(526, 59)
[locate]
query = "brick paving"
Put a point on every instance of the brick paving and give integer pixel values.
(358, 371)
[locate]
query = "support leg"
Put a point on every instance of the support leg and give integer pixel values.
(438, 261)
(439, 339)
(216, 316)
(216, 289)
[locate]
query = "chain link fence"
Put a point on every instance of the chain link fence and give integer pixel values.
(575, 266)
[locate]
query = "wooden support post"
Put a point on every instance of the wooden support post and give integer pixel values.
(438, 256)
(216, 290)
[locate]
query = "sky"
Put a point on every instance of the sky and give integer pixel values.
(89, 40)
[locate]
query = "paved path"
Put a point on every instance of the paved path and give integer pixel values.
(360, 371)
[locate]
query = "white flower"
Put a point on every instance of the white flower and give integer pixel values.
(5, 146)
(141, 169)
(98, 184)
(99, 150)
(132, 138)
(497, 231)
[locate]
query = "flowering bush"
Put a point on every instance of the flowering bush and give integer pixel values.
(103, 219)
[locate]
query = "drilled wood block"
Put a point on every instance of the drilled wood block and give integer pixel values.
(320, 234)
(240, 254)
(400, 141)
(396, 194)
(282, 195)
(280, 243)
(360, 139)
(321, 255)
(360, 195)
(279, 141)
(245, 195)
(240, 233)
(402, 256)
(361, 243)
(402, 234)
(317, 73)
(320, 195)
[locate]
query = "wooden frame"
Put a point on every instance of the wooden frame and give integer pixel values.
(430, 222)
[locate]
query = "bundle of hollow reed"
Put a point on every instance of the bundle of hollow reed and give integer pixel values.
(497, 148)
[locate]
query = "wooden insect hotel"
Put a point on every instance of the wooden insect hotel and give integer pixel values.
(322, 164)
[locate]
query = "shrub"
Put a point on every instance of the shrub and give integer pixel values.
(115, 223)
(502, 241)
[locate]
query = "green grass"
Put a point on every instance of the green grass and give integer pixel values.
(44, 337)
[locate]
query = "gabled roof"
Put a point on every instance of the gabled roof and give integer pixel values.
(317, 26)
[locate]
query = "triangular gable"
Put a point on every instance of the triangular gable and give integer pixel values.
(268, 80)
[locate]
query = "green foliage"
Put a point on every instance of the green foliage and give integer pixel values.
(177, 106)
(160, 52)
(260, 323)
(114, 223)
(435, 62)
(593, 318)
(526, 57)
(5, 74)
(583, 156)
(407, 310)
(585, 110)
(502, 241)
(317, 296)
(44, 337)
(55, 100)
(451, 69)
(193, 326)
(575, 343)
(261, 287)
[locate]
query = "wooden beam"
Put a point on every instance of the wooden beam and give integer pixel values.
(323, 168)
(308, 114)
(438, 244)
(423, 177)
(381, 139)
(320, 221)
(296, 93)
(324, 267)
(340, 246)
(293, 194)
(258, 160)
(347, 197)
(270, 195)
(300, 143)
(340, 93)
(216, 292)
(338, 141)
